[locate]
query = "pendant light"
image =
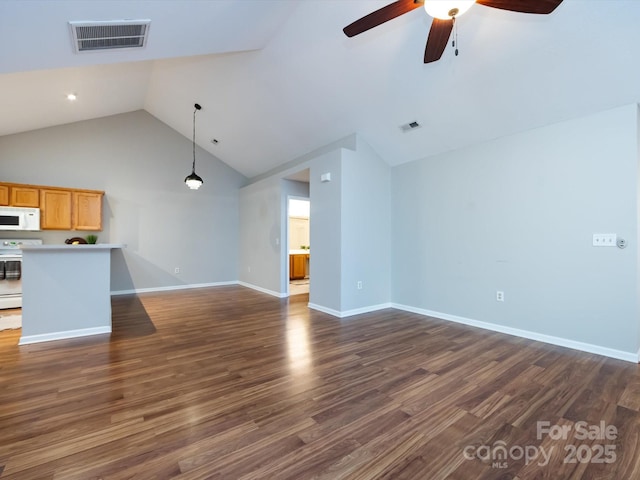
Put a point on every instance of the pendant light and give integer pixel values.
(194, 181)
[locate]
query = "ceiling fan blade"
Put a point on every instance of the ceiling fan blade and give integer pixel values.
(438, 38)
(381, 16)
(523, 6)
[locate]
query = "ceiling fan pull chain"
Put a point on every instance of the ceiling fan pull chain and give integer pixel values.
(454, 42)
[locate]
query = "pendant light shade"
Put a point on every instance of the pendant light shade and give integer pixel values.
(193, 180)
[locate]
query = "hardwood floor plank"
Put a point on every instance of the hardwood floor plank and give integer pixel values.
(228, 383)
(442, 453)
(630, 397)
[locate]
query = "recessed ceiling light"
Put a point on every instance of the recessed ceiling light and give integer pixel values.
(71, 97)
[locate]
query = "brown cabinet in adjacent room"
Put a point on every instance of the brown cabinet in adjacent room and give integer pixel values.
(298, 266)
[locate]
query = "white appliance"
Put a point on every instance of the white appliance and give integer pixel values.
(19, 218)
(11, 270)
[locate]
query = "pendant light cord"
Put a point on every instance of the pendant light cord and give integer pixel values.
(197, 107)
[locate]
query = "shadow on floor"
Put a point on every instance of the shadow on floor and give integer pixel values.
(129, 318)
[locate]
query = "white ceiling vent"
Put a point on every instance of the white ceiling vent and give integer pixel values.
(106, 35)
(407, 127)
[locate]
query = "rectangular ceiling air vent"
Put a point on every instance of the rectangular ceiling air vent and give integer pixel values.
(407, 127)
(110, 34)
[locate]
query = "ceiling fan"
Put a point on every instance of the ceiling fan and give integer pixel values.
(444, 13)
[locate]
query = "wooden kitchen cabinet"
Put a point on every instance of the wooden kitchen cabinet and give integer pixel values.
(55, 209)
(298, 266)
(18, 195)
(60, 208)
(87, 210)
(24, 196)
(4, 195)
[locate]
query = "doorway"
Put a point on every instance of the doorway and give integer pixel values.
(298, 213)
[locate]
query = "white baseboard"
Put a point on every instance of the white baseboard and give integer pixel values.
(349, 313)
(47, 337)
(322, 309)
(172, 287)
(540, 337)
(263, 290)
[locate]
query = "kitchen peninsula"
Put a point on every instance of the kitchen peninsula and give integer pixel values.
(66, 291)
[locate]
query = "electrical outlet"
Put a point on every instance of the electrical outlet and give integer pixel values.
(359, 284)
(604, 239)
(499, 296)
(176, 270)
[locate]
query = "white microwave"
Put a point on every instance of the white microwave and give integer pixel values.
(19, 218)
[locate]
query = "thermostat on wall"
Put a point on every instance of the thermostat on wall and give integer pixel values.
(325, 177)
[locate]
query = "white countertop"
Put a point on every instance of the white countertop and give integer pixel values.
(67, 247)
(299, 252)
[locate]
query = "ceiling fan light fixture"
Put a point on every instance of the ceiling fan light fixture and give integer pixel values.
(444, 13)
(447, 9)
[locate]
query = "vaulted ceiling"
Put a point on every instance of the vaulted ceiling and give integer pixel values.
(278, 78)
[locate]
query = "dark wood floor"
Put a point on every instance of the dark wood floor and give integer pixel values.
(228, 383)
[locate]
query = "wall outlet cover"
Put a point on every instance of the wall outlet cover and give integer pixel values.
(604, 239)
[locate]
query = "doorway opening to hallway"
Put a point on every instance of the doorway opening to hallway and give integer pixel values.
(299, 247)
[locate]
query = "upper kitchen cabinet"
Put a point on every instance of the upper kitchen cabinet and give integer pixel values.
(60, 208)
(4, 195)
(87, 210)
(25, 196)
(55, 209)
(18, 195)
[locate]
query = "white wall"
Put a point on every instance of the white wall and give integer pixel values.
(365, 228)
(326, 255)
(260, 227)
(517, 214)
(638, 222)
(140, 163)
